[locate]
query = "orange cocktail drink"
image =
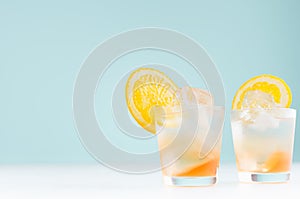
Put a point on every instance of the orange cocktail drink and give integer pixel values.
(263, 128)
(189, 140)
(187, 124)
(263, 143)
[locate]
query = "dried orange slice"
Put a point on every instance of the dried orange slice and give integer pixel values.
(146, 88)
(265, 91)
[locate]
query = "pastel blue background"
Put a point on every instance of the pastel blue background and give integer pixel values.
(43, 44)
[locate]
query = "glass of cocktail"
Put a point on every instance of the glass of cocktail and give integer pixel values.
(263, 129)
(186, 122)
(263, 143)
(189, 139)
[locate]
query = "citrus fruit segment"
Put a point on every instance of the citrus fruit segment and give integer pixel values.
(146, 88)
(278, 162)
(207, 169)
(263, 91)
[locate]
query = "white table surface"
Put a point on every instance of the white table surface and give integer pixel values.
(96, 181)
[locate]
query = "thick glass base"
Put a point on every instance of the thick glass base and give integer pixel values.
(264, 177)
(190, 181)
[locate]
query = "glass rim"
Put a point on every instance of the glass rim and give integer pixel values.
(283, 112)
(185, 108)
(264, 109)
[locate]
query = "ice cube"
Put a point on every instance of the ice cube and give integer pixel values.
(190, 96)
(202, 99)
(257, 105)
(264, 120)
(248, 115)
(260, 120)
(259, 100)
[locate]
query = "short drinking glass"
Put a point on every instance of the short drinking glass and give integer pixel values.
(189, 140)
(263, 143)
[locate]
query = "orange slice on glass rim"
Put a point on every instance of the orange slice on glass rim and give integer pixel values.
(270, 86)
(146, 88)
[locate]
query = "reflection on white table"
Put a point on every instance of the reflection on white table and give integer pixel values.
(96, 181)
